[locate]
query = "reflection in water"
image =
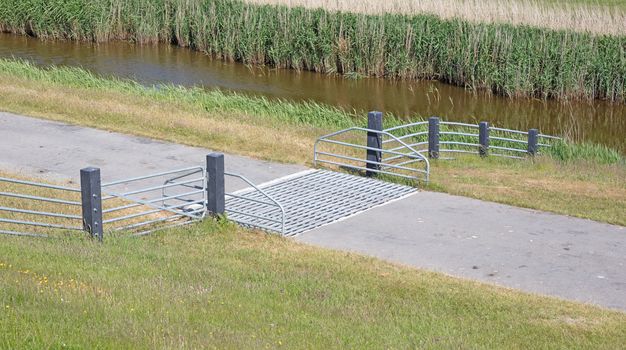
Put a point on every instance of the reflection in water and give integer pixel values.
(599, 122)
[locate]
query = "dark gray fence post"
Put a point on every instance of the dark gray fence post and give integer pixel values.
(91, 198)
(533, 140)
(483, 139)
(215, 184)
(374, 140)
(433, 137)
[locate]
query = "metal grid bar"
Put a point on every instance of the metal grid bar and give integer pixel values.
(508, 130)
(155, 200)
(411, 145)
(460, 124)
(160, 187)
(455, 133)
(148, 204)
(148, 222)
(388, 165)
(405, 126)
(39, 224)
(37, 198)
(508, 139)
(314, 199)
(367, 148)
(459, 143)
(151, 176)
(25, 234)
(457, 151)
(417, 134)
(152, 211)
(41, 213)
(366, 169)
(38, 184)
(550, 137)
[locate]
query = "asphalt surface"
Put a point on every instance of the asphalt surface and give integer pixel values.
(529, 250)
(525, 249)
(58, 151)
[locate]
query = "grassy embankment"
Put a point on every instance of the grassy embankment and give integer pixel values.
(216, 285)
(580, 180)
(501, 58)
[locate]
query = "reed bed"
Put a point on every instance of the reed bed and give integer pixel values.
(598, 17)
(516, 61)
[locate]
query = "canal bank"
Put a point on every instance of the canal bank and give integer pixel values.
(595, 122)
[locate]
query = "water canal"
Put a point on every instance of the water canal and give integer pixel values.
(599, 122)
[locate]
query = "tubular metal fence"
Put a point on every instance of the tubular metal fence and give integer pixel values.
(137, 205)
(402, 161)
(27, 211)
(254, 207)
(172, 198)
(395, 151)
(435, 136)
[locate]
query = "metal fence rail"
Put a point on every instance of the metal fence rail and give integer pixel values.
(254, 207)
(137, 205)
(401, 161)
(143, 204)
(21, 214)
(392, 151)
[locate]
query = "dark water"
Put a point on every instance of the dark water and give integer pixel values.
(599, 122)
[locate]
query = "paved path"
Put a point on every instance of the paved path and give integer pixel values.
(526, 249)
(57, 150)
(529, 250)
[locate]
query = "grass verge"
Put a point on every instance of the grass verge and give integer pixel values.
(216, 285)
(505, 59)
(581, 185)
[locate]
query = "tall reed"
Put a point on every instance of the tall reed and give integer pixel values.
(501, 58)
(594, 16)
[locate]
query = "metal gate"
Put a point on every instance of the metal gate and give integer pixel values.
(143, 204)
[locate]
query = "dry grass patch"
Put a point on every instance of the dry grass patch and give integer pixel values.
(579, 189)
(580, 16)
(113, 111)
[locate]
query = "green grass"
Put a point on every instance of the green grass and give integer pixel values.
(567, 151)
(504, 59)
(217, 286)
